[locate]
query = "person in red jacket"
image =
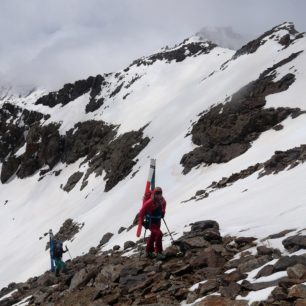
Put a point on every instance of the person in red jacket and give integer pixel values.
(154, 210)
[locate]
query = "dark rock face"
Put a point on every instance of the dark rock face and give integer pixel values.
(95, 140)
(9, 167)
(117, 159)
(116, 91)
(284, 40)
(73, 180)
(43, 145)
(86, 139)
(94, 102)
(282, 159)
(71, 92)
(43, 148)
(178, 54)
(227, 130)
(14, 125)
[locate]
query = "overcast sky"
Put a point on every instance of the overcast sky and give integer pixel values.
(50, 42)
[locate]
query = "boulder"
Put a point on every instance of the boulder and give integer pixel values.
(300, 302)
(263, 250)
(106, 238)
(285, 262)
(253, 264)
(297, 271)
(233, 276)
(279, 293)
(81, 278)
(220, 301)
(195, 242)
(129, 244)
(200, 226)
(265, 271)
(182, 270)
(297, 291)
(121, 229)
(295, 243)
(210, 286)
(207, 258)
(230, 291)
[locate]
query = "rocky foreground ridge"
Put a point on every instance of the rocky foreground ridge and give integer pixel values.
(201, 267)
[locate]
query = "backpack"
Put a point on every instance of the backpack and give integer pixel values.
(154, 218)
(147, 222)
(58, 249)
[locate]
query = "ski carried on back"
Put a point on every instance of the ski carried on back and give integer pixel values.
(150, 185)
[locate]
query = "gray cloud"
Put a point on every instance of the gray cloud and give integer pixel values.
(47, 43)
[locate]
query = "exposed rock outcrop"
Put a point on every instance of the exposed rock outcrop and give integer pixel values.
(284, 40)
(67, 231)
(97, 141)
(280, 161)
(178, 53)
(71, 92)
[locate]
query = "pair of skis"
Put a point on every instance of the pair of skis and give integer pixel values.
(51, 237)
(150, 185)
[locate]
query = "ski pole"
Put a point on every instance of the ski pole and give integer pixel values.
(144, 239)
(168, 230)
(68, 252)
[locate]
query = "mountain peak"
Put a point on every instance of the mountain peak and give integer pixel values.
(192, 46)
(285, 34)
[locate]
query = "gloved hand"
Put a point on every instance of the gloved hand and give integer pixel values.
(163, 214)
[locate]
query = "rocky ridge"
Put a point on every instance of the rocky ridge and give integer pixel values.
(209, 268)
(280, 161)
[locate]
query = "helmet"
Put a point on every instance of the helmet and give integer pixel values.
(158, 190)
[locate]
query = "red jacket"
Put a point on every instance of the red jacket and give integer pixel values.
(150, 207)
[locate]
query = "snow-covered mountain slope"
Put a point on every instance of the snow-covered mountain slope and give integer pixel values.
(161, 98)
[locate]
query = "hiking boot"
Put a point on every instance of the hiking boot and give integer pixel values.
(150, 255)
(160, 256)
